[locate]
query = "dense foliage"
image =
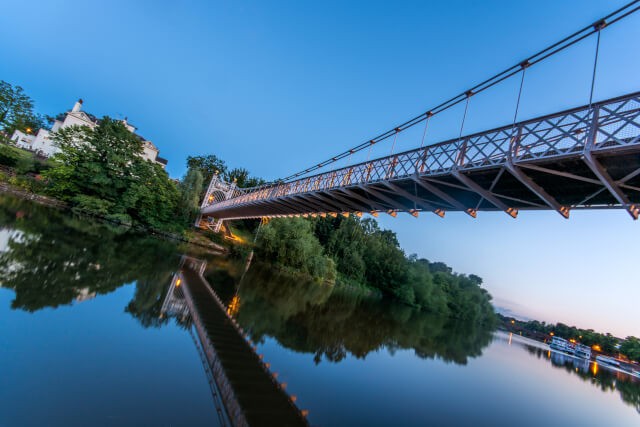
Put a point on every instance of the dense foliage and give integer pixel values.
(100, 170)
(16, 110)
(211, 164)
(365, 255)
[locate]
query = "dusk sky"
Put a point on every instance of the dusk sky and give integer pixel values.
(275, 87)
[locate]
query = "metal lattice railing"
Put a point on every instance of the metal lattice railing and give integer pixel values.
(607, 125)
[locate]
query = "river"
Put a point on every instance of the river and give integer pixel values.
(104, 326)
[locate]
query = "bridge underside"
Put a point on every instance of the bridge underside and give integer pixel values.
(569, 181)
(584, 158)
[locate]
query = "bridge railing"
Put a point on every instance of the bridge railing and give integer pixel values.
(605, 125)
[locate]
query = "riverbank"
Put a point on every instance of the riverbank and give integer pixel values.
(194, 239)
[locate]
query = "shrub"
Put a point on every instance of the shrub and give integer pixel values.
(92, 204)
(25, 165)
(9, 156)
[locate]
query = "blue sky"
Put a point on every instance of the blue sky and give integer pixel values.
(277, 86)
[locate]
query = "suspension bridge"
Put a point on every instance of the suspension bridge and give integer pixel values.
(586, 157)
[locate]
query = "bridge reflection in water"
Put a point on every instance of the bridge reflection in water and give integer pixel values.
(245, 392)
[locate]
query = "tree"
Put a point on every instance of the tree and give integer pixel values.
(208, 166)
(631, 348)
(190, 188)
(242, 178)
(101, 169)
(16, 110)
(292, 243)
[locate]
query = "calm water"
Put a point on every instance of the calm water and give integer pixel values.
(94, 331)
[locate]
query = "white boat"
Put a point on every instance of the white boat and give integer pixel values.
(558, 343)
(607, 361)
(582, 351)
(571, 347)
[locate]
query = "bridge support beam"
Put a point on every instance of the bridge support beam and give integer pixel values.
(536, 189)
(319, 205)
(603, 176)
(374, 205)
(418, 201)
(484, 193)
(444, 196)
(382, 197)
(291, 206)
(356, 207)
(337, 206)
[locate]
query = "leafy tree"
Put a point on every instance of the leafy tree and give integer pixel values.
(365, 255)
(101, 169)
(242, 178)
(190, 188)
(631, 348)
(292, 243)
(16, 109)
(208, 165)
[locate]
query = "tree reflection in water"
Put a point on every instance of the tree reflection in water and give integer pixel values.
(53, 258)
(331, 322)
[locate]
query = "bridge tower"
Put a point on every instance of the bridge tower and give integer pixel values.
(218, 191)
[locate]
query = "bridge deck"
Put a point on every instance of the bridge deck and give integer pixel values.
(587, 157)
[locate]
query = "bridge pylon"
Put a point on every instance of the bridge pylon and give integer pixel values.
(217, 191)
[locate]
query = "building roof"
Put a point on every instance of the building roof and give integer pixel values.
(161, 160)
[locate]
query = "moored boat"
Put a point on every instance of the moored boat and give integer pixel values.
(605, 360)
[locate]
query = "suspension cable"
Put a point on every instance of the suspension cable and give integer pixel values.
(515, 115)
(540, 56)
(394, 140)
(426, 123)
(598, 26)
(464, 117)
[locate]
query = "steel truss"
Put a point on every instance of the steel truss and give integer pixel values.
(584, 158)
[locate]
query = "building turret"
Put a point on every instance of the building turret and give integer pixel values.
(77, 106)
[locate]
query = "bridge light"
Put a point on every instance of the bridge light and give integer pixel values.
(28, 130)
(333, 214)
(374, 213)
(345, 214)
(304, 413)
(293, 398)
(178, 282)
(358, 214)
(393, 213)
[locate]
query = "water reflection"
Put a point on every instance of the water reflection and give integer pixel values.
(52, 259)
(607, 378)
(334, 322)
(244, 391)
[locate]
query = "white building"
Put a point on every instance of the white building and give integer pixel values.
(43, 144)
